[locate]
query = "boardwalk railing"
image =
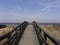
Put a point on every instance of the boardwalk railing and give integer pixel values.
(43, 37)
(15, 35)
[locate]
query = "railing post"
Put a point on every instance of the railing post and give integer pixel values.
(9, 40)
(45, 37)
(13, 39)
(17, 37)
(40, 30)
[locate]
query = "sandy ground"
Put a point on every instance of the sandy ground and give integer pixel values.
(7, 29)
(29, 37)
(55, 31)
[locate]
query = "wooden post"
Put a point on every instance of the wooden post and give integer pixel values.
(9, 39)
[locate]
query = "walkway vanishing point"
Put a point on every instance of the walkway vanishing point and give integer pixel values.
(29, 37)
(28, 34)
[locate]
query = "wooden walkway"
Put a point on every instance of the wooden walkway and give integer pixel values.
(29, 37)
(28, 34)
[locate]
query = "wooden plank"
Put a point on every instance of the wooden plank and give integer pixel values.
(29, 37)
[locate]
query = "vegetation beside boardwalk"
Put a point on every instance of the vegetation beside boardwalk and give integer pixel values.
(2, 26)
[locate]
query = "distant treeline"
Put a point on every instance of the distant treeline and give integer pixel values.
(2, 26)
(9, 23)
(49, 24)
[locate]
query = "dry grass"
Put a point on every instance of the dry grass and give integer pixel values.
(53, 30)
(6, 30)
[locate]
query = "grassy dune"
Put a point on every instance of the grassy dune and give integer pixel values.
(5, 30)
(53, 30)
(8, 28)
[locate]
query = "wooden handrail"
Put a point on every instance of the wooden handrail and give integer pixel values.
(16, 37)
(43, 40)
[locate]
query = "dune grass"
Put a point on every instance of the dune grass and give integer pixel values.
(5, 30)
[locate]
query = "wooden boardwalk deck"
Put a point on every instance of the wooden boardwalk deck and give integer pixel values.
(29, 37)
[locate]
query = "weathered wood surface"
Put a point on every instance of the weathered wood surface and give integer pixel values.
(29, 37)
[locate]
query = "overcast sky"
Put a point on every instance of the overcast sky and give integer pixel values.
(43, 11)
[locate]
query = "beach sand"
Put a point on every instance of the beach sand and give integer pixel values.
(53, 30)
(7, 29)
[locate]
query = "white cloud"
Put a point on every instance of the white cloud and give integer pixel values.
(14, 14)
(55, 4)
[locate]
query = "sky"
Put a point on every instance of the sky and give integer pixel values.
(43, 11)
